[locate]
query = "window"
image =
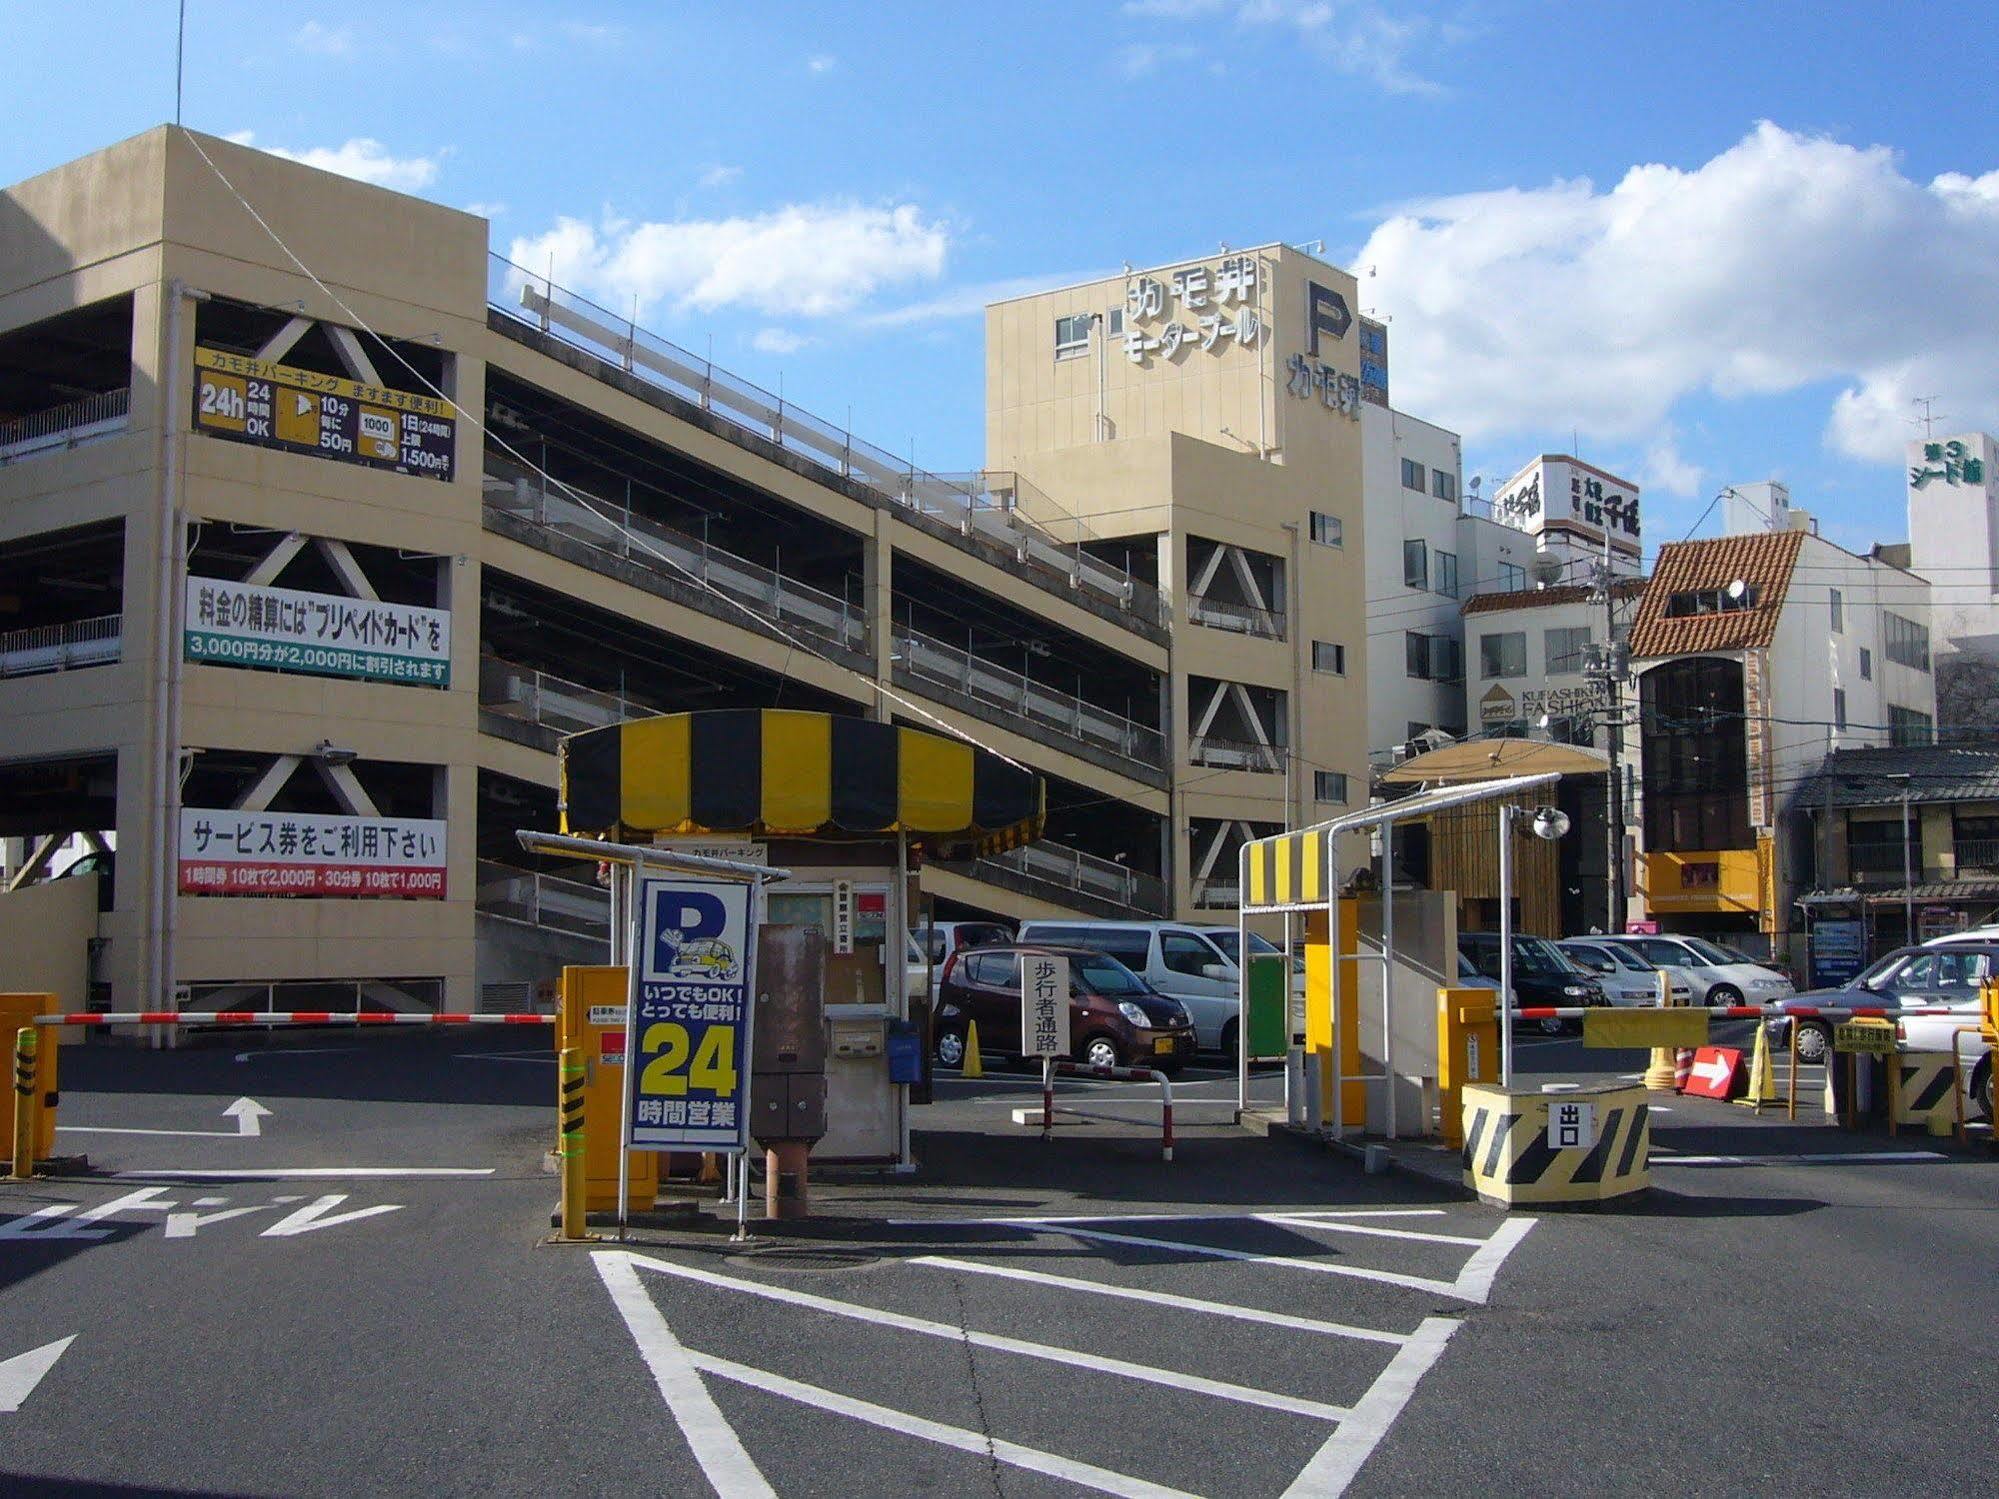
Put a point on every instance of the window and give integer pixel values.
(1866, 664)
(1416, 655)
(1568, 650)
(996, 970)
(1443, 485)
(1838, 613)
(1909, 728)
(1512, 577)
(1072, 335)
(1839, 709)
(1694, 775)
(1711, 601)
(1908, 642)
(1503, 655)
(1328, 530)
(1412, 475)
(1183, 952)
(1116, 323)
(1415, 564)
(1328, 656)
(1329, 786)
(1447, 574)
(1447, 659)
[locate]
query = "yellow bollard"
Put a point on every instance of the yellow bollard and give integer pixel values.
(575, 1224)
(1659, 1075)
(25, 1042)
(970, 1065)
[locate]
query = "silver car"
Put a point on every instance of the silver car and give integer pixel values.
(1625, 975)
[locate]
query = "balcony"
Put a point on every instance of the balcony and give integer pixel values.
(959, 677)
(1242, 619)
(61, 428)
(519, 495)
(544, 900)
(44, 648)
(1072, 877)
(1230, 754)
(1976, 858)
(983, 505)
(542, 702)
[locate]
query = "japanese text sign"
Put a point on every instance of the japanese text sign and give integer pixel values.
(1044, 1005)
(276, 406)
(690, 1015)
(229, 852)
(322, 634)
(1571, 1126)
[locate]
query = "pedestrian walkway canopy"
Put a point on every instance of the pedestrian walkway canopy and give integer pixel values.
(786, 773)
(1492, 759)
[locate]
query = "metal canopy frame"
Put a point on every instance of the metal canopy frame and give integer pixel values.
(1384, 815)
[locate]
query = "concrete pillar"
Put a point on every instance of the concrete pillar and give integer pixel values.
(878, 600)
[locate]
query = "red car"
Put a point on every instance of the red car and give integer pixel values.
(1116, 1018)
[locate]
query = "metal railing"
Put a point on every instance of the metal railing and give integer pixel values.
(1978, 856)
(932, 660)
(543, 900)
(1072, 869)
(81, 642)
(1241, 618)
(511, 489)
(987, 503)
(1875, 863)
(1234, 754)
(62, 427)
(1217, 895)
(536, 697)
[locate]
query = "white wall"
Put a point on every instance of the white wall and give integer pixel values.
(1394, 515)
(1954, 541)
(1540, 690)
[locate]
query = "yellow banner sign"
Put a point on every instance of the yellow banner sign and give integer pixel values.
(1875, 1036)
(277, 406)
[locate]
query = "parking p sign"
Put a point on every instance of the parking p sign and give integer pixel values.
(1044, 1005)
(690, 1014)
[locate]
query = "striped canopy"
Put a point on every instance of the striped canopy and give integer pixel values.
(778, 772)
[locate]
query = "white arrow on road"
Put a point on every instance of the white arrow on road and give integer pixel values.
(1714, 1072)
(247, 1112)
(20, 1374)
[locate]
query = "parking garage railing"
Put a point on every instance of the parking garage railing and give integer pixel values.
(1240, 618)
(512, 489)
(42, 648)
(62, 427)
(1234, 754)
(543, 900)
(987, 504)
(1085, 873)
(537, 697)
(931, 660)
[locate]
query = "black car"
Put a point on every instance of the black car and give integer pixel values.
(1542, 975)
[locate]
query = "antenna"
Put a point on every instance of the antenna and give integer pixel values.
(180, 59)
(1928, 418)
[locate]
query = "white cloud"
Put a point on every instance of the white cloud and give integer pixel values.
(1142, 58)
(1663, 470)
(971, 301)
(821, 62)
(719, 175)
(1786, 260)
(327, 41)
(780, 341)
(808, 260)
(362, 158)
(1360, 38)
(591, 34)
(486, 210)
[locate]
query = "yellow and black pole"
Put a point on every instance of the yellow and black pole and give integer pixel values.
(25, 1041)
(575, 1224)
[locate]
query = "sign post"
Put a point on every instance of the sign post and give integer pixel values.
(688, 1008)
(1045, 1022)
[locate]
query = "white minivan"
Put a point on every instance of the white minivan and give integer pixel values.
(1719, 975)
(1193, 964)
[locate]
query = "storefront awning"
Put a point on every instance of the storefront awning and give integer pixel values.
(784, 773)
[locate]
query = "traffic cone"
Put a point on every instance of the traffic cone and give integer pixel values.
(1762, 1078)
(971, 1065)
(1659, 1075)
(1683, 1068)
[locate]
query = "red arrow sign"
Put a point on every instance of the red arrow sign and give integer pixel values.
(1714, 1070)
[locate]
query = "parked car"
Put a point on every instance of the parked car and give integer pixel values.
(1921, 978)
(1116, 1017)
(1626, 977)
(946, 937)
(1970, 934)
(1542, 975)
(1719, 975)
(1192, 964)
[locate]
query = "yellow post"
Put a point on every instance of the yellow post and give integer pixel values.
(24, 1105)
(969, 1065)
(1762, 1078)
(1659, 1076)
(575, 1176)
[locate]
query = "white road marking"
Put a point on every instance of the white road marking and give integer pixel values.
(186, 1225)
(144, 1200)
(727, 1466)
(952, 1333)
(1300, 1220)
(505, 1056)
(251, 1173)
(247, 1112)
(1480, 1270)
(1162, 1298)
(318, 1214)
(1034, 1460)
(1828, 1158)
(20, 1374)
(1334, 1465)
(300, 1051)
(1025, 1221)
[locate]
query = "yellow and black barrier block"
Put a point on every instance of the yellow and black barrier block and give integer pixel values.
(1572, 1148)
(1645, 1026)
(1925, 1092)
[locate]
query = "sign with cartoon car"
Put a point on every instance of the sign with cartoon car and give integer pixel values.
(690, 1016)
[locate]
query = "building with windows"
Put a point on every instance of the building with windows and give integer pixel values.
(1953, 499)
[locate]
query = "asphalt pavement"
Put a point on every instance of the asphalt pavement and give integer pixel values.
(344, 1288)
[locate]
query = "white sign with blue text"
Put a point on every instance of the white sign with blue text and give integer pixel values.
(690, 1016)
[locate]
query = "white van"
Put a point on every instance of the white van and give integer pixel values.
(1719, 975)
(1193, 964)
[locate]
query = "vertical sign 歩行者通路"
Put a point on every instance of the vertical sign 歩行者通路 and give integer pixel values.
(690, 1016)
(1044, 1005)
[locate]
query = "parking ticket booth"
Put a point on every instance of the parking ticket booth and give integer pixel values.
(844, 805)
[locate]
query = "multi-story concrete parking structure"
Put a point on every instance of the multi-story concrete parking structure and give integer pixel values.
(319, 524)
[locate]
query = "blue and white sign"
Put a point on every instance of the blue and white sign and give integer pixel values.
(690, 1016)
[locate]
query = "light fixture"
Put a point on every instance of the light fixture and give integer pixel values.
(329, 753)
(1549, 823)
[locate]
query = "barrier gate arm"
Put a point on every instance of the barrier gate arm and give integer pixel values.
(1131, 1075)
(102, 1018)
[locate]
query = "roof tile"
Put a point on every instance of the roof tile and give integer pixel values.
(1764, 561)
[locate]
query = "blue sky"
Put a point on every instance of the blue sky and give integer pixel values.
(1714, 242)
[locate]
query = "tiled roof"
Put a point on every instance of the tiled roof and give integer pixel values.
(1534, 598)
(1763, 561)
(1872, 777)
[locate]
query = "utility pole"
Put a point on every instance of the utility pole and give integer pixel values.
(1607, 670)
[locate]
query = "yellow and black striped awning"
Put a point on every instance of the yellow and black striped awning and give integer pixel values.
(784, 773)
(1285, 872)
